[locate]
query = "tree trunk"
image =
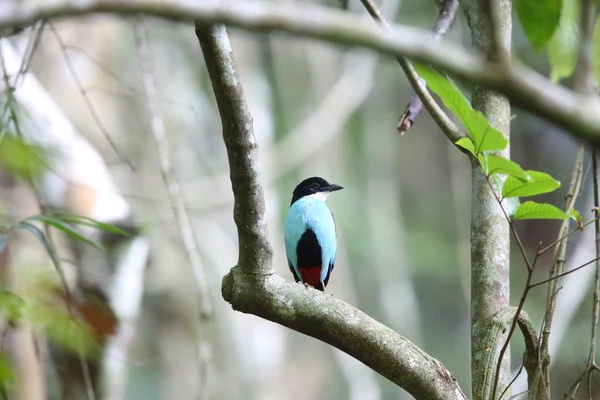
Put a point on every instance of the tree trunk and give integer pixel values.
(490, 244)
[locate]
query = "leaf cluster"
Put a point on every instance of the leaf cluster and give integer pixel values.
(484, 142)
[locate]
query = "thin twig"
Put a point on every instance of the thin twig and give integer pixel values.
(557, 241)
(564, 273)
(32, 44)
(443, 23)
(88, 102)
(184, 222)
(439, 116)
(558, 261)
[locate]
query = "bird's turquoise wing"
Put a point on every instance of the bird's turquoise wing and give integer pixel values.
(321, 221)
(293, 230)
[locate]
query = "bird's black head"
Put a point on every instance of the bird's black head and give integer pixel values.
(314, 186)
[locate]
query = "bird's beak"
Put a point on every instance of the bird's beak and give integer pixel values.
(333, 187)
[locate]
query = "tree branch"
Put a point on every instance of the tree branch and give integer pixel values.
(439, 116)
(443, 23)
(252, 287)
(525, 87)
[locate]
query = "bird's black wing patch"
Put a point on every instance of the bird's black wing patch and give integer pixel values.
(309, 250)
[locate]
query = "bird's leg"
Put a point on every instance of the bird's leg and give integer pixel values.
(323, 286)
(306, 285)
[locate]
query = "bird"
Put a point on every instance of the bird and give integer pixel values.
(310, 233)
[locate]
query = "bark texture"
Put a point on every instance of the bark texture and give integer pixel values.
(490, 240)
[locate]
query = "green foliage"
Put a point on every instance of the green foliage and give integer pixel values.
(563, 47)
(500, 165)
(20, 158)
(57, 323)
(7, 376)
(12, 306)
(484, 139)
(539, 19)
(483, 135)
(63, 222)
(467, 144)
(61, 328)
(81, 220)
(41, 237)
(533, 210)
(63, 227)
(538, 183)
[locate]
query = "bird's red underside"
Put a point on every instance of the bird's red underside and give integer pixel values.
(311, 275)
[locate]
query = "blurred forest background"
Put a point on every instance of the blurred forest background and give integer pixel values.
(319, 109)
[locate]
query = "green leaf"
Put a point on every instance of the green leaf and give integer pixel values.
(596, 51)
(81, 220)
(564, 45)
(539, 19)
(533, 210)
(573, 213)
(484, 136)
(482, 161)
(500, 165)
(492, 139)
(22, 159)
(7, 376)
(12, 306)
(62, 329)
(41, 237)
(65, 228)
(466, 144)
(539, 183)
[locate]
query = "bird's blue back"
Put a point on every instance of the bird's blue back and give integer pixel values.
(310, 213)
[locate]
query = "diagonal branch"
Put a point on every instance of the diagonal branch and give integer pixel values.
(251, 286)
(577, 113)
(418, 84)
(443, 23)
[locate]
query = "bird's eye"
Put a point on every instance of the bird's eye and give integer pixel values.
(314, 185)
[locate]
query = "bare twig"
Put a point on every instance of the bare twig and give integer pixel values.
(591, 365)
(560, 239)
(525, 87)
(556, 270)
(252, 287)
(443, 23)
(564, 273)
(184, 223)
(88, 102)
(439, 116)
(584, 84)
